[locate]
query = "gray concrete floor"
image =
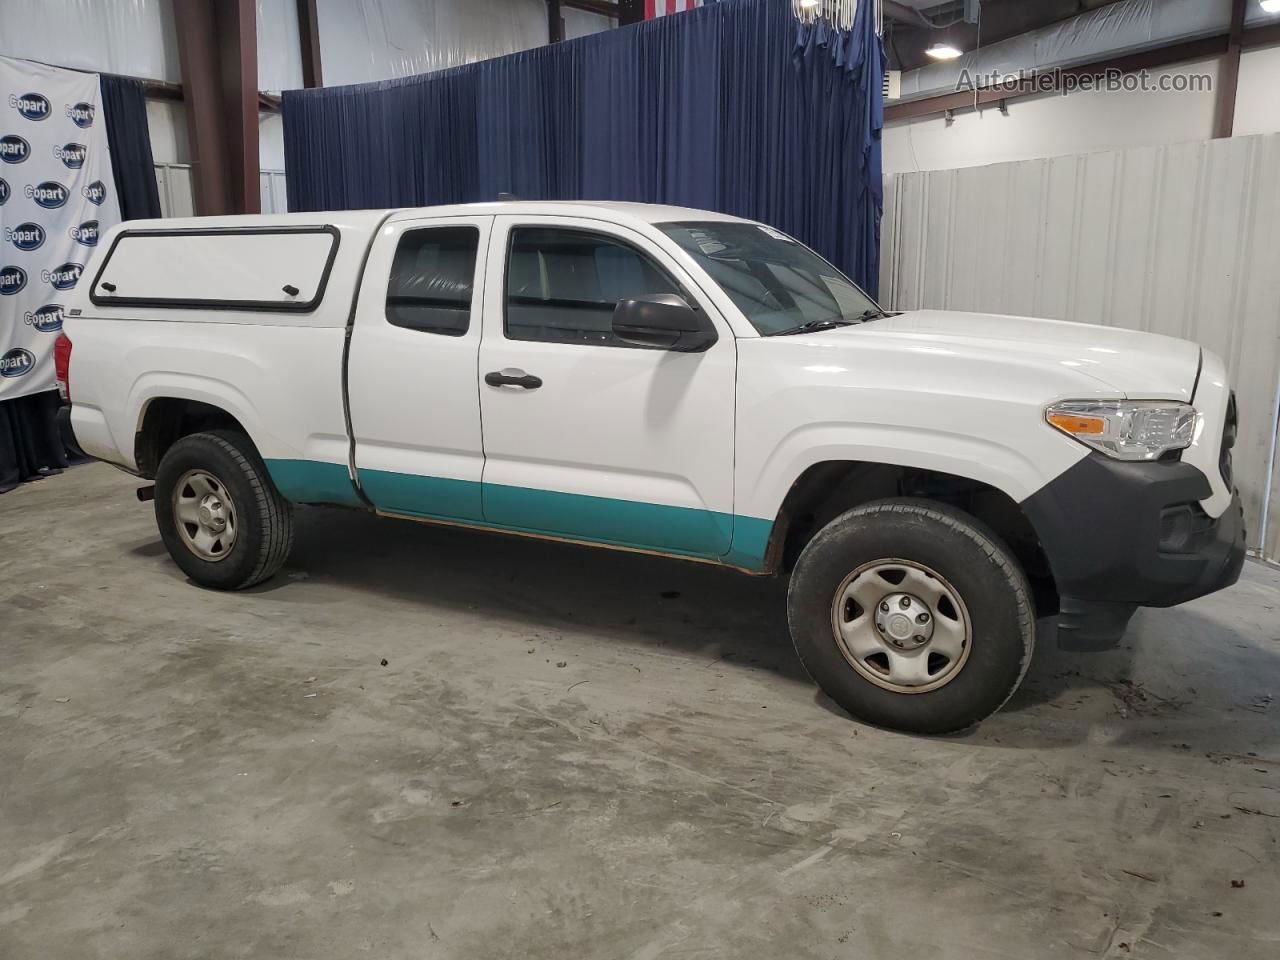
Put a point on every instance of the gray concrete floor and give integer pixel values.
(575, 753)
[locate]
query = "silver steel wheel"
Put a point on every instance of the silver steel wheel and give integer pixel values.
(205, 515)
(902, 626)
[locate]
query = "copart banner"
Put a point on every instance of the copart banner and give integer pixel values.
(57, 196)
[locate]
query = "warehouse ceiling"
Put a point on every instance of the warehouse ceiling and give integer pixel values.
(911, 26)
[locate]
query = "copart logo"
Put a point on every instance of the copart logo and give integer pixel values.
(12, 279)
(49, 194)
(13, 149)
(72, 154)
(64, 277)
(4, 192)
(33, 106)
(95, 192)
(48, 319)
(25, 236)
(17, 362)
(86, 233)
(81, 114)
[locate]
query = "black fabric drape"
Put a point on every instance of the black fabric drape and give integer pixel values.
(736, 107)
(124, 109)
(31, 445)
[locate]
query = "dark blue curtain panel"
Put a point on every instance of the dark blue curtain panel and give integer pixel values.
(736, 107)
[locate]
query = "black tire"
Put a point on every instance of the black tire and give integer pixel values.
(263, 518)
(978, 568)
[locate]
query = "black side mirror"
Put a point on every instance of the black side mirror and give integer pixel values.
(662, 320)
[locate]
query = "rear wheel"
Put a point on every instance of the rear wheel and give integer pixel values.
(912, 615)
(219, 514)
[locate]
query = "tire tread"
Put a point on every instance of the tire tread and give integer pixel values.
(272, 511)
(980, 535)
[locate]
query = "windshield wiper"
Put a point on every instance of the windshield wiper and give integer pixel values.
(830, 323)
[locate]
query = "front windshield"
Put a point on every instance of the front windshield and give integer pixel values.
(778, 283)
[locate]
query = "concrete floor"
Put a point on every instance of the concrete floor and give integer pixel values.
(576, 753)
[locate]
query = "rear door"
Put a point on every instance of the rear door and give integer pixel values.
(415, 410)
(615, 443)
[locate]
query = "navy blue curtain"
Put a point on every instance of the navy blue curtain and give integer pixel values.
(124, 109)
(735, 107)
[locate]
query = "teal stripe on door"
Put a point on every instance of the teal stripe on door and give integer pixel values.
(651, 526)
(681, 531)
(750, 543)
(423, 496)
(310, 481)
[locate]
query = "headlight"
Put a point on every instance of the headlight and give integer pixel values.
(1126, 429)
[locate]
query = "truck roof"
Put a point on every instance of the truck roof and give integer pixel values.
(620, 212)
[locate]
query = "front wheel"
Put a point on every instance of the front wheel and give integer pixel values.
(912, 615)
(219, 514)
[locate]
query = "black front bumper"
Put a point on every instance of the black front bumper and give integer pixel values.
(1120, 532)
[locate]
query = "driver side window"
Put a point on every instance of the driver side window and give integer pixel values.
(563, 285)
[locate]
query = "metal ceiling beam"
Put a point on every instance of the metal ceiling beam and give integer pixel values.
(309, 38)
(1268, 36)
(218, 49)
(1214, 46)
(601, 7)
(1229, 75)
(555, 24)
(910, 15)
(630, 11)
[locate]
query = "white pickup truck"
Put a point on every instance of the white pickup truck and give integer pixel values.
(670, 381)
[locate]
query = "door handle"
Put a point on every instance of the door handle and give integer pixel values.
(517, 378)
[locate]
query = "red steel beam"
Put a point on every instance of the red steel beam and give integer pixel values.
(218, 48)
(194, 20)
(239, 49)
(1229, 75)
(309, 38)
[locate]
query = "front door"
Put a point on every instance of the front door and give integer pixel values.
(415, 405)
(585, 436)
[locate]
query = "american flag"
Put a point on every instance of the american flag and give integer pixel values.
(658, 8)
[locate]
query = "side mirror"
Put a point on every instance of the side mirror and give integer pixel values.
(662, 320)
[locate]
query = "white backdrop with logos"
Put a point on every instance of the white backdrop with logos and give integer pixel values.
(57, 196)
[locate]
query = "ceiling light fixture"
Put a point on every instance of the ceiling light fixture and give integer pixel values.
(1271, 6)
(946, 51)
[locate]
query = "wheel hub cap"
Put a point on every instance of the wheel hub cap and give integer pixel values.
(212, 514)
(204, 514)
(901, 625)
(905, 620)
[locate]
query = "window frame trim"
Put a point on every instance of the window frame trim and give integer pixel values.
(517, 225)
(476, 274)
(252, 306)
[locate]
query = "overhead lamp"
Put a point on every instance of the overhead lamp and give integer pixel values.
(1268, 6)
(949, 51)
(808, 4)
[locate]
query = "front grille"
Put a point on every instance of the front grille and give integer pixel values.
(1229, 431)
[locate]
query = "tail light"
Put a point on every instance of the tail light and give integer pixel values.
(62, 365)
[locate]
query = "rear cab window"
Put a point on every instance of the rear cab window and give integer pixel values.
(433, 279)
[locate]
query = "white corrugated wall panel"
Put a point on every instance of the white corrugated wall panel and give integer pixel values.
(1182, 240)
